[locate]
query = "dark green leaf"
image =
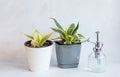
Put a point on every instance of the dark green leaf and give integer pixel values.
(75, 29)
(70, 28)
(59, 31)
(57, 24)
(76, 37)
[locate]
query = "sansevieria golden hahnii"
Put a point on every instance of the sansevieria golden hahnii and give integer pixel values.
(37, 40)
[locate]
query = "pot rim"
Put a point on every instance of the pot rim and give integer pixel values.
(51, 43)
(57, 42)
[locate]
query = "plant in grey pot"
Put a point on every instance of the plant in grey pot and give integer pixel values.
(38, 50)
(69, 46)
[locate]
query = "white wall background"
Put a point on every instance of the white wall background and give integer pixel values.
(24, 16)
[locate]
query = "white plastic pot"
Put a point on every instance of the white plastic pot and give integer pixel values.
(39, 58)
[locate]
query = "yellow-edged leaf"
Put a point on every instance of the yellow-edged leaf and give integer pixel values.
(57, 24)
(84, 40)
(46, 37)
(75, 29)
(37, 36)
(34, 43)
(61, 32)
(70, 28)
(30, 37)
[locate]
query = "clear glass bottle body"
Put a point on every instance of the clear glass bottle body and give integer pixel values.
(97, 62)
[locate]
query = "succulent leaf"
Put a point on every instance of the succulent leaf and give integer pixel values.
(37, 36)
(34, 43)
(70, 35)
(45, 38)
(57, 24)
(70, 28)
(75, 29)
(30, 37)
(37, 40)
(61, 32)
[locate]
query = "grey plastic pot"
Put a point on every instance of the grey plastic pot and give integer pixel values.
(68, 56)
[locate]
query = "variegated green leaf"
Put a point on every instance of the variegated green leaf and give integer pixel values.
(62, 37)
(46, 37)
(37, 36)
(76, 42)
(70, 28)
(81, 36)
(30, 37)
(75, 29)
(57, 24)
(76, 37)
(59, 31)
(83, 40)
(67, 42)
(34, 43)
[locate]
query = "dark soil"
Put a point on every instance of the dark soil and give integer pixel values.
(61, 43)
(46, 44)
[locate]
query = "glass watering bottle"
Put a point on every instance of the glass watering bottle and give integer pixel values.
(96, 59)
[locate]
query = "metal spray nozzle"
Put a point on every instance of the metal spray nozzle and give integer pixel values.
(98, 44)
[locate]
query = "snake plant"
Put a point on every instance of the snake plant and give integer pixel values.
(37, 40)
(68, 35)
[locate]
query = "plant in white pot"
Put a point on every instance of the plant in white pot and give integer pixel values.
(69, 46)
(39, 50)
